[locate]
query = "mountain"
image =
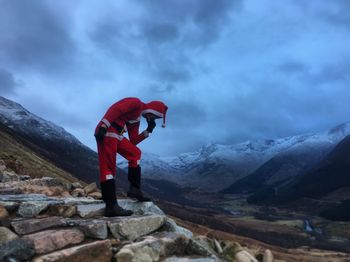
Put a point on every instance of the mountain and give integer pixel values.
(298, 159)
(329, 175)
(215, 166)
(50, 141)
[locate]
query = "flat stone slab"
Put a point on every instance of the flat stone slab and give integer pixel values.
(91, 210)
(132, 228)
(51, 240)
(80, 201)
(27, 226)
(25, 198)
(100, 251)
(184, 259)
(93, 228)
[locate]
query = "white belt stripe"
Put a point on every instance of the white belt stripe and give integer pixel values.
(106, 122)
(114, 135)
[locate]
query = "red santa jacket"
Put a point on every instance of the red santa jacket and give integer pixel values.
(127, 113)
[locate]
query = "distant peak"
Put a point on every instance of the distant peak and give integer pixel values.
(342, 129)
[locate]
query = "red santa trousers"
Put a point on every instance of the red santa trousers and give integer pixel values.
(107, 155)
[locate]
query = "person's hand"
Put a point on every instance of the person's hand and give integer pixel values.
(151, 125)
(101, 132)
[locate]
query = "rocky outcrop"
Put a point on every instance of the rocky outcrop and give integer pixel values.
(71, 227)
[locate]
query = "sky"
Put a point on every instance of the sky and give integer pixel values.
(229, 70)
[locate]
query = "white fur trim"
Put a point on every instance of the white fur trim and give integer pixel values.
(134, 121)
(109, 177)
(152, 111)
(114, 135)
(106, 122)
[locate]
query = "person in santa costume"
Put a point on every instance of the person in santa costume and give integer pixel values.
(124, 116)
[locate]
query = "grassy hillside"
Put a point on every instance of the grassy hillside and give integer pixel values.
(18, 155)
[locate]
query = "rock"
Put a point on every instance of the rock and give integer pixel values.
(28, 226)
(183, 259)
(76, 185)
(218, 247)
(51, 240)
(8, 176)
(3, 213)
(96, 251)
(24, 177)
(6, 235)
(91, 228)
(196, 248)
(32, 209)
(171, 226)
(132, 228)
(25, 198)
(140, 208)
(244, 256)
(17, 249)
(2, 165)
(63, 210)
(95, 195)
(10, 206)
(152, 248)
(78, 192)
(80, 201)
(92, 210)
(90, 188)
(268, 256)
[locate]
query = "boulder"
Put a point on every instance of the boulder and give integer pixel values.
(17, 250)
(32, 209)
(200, 246)
(80, 201)
(245, 256)
(140, 208)
(6, 235)
(63, 210)
(92, 228)
(76, 185)
(91, 188)
(153, 248)
(95, 195)
(78, 192)
(96, 251)
(268, 256)
(28, 226)
(132, 228)
(51, 240)
(171, 226)
(3, 213)
(9, 205)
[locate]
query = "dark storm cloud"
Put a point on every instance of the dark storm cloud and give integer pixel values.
(7, 82)
(167, 32)
(34, 34)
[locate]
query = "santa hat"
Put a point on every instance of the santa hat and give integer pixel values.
(156, 108)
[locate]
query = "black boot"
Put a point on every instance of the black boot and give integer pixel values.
(134, 177)
(109, 197)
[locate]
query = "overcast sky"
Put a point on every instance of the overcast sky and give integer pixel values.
(229, 70)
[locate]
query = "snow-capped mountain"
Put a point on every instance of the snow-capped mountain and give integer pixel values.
(216, 166)
(17, 117)
(50, 140)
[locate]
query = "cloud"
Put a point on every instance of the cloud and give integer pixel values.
(33, 34)
(7, 82)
